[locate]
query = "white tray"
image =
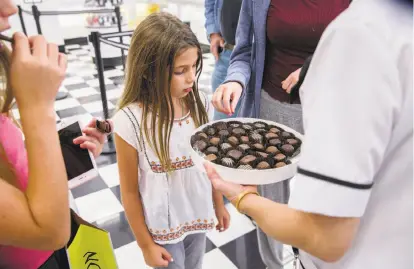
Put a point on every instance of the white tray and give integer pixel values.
(249, 177)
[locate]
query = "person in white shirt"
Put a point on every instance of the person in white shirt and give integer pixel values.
(351, 206)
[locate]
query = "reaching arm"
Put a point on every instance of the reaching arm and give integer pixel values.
(239, 69)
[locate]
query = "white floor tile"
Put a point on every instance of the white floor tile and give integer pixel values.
(110, 175)
(96, 106)
(85, 58)
(114, 73)
(66, 103)
(130, 256)
(73, 80)
(82, 118)
(74, 46)
(97, 205)
(83, 92)
(216, 259)
(112, 94)
(239, 225)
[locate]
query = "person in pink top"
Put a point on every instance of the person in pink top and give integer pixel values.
(34, 206)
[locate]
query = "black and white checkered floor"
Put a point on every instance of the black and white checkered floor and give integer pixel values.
(98, 201)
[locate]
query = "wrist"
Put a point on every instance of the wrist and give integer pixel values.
(243, 199)
(37, 111)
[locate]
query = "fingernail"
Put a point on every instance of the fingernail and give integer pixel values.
(221, 229)
(172, 259)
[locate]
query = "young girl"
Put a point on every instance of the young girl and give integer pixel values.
(168, 201)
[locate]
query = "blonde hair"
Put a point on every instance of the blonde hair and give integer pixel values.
(155, 44)
(6, 103)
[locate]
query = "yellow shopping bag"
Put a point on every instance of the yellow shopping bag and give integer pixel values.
(91, 248)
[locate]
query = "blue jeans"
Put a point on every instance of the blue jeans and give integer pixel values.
(187, 254)
(219, 75)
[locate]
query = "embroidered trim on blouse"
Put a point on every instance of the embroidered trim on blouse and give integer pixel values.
(157, 167)
(172, 234)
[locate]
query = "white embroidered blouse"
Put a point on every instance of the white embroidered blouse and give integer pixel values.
(175, 204)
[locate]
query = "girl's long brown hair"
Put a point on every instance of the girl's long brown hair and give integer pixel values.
(155, 44)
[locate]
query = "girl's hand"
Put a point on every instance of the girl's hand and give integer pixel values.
(37, 70)
(228, 189)
(291, 80)
(156, 256)
(92, 139)
(223, 218)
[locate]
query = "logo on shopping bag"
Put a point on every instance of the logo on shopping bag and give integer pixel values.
(90, 261)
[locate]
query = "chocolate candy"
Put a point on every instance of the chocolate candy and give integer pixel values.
(274, 130)
(272, 149)
(292, 141)
(248, 159)
(229, 162)
(244, 139)
(215, 141)
(234, 154)
(245, 167)
(288, 149)
(271, 135)
(256, 137)
(258, 146)
(203, 135)
(225, 146)
(263, 165)
(260, 125)
(220, 126)
(224, 133)
(235, 124)
(275, 142)
(286, 134)
(244, 147)
(280, 157)
(233, 140)
(247, 127)
(200, 145)
(260, 131)
(280, 164)
(211, 131)
(211, 157)
(262, 154)
(238, 131)
(212, 150)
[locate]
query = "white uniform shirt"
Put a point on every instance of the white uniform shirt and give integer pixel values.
(357, 157)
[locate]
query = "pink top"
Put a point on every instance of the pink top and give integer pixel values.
(13, 144)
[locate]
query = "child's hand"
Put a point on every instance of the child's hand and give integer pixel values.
(223, 218)
(156, 256)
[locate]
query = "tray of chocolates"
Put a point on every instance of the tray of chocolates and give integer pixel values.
(247, 151)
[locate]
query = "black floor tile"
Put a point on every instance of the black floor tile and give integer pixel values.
(73, 111)
(91, 186)
(104, 160)
(89, 99)
(117, 192)
(244, 252)
(119, 229)
(76, 86)
(209, 245)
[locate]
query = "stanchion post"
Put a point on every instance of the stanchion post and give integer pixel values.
(36, 15)
(119, 22)
(109, 147)
(22, 19)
